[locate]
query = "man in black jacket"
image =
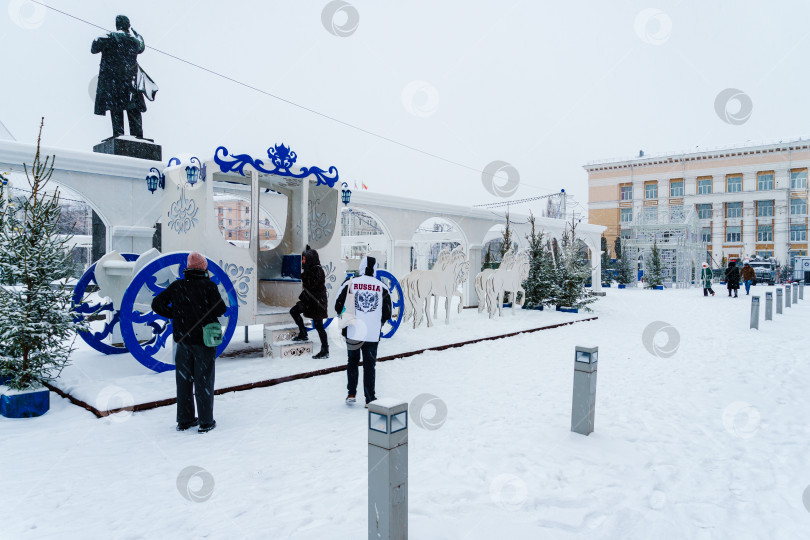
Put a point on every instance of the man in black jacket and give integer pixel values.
(312, 300)
(191, 303)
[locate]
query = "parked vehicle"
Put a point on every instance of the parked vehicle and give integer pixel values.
(801, 269)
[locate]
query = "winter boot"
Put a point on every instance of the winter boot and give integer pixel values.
(350, 399)
(323, 354)
(302, 336)
(205, 428)
(187, 425)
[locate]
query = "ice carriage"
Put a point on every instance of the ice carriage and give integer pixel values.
(258, 278)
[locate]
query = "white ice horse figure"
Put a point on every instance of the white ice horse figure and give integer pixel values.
(507, 278)
(442, 260)
(507, 261)
(459, 268)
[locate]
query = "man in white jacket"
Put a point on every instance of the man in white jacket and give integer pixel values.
(372, 307)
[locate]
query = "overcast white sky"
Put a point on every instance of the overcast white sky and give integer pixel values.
(545, 86)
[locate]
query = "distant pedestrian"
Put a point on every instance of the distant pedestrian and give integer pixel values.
(706, 278)
(748, 276)
(312, 301)
(191, 303)
(732, 278)
(372, 307)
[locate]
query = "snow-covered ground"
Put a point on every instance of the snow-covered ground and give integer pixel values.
(110, 382)
(710, 442)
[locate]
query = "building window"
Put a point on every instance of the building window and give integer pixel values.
(676, 189)
(247, 210)
(733, 209)
(706, 235)
(625, 234)
(733, 184)
(220, 223)
(798, 233)
(651, 213)
(764, 208)
(733, 234)
(230, 234)
(626, 193)
(704, 211)
(798, 179)
(765, 254)
(676, 213)
(764, 181)
(765, 233)
(267, 234)
(229, 221)
(651, 191)
(798, 207)
(704, 186)
(627, 215)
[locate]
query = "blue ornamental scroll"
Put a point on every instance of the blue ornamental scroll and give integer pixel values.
(282, 159)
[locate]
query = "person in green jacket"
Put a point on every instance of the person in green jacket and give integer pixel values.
(706, 278)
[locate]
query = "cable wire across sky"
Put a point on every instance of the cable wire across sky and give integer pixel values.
(279, 98)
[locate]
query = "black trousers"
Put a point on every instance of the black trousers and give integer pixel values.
(135, 123)
(707, 290)
(296, 311)
(194, 375)
(369, 350)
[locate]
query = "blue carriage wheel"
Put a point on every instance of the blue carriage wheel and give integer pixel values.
(398, 305)
(82, 309)
(161, 327)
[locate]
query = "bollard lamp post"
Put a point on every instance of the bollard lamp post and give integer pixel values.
(388, 470)
(583, 407)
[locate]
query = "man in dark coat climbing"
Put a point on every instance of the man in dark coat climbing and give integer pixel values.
(312, 301)
(732, 278)
(118, 88)
(191, 303)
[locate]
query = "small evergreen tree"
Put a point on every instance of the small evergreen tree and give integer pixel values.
(35, 319)
(506, 236)
(617, 247)
(626, 273)
(655, 268)
(572, 273)
(487, 258)
(540, 285)
(606, 275)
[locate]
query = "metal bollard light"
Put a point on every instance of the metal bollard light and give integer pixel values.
(583, 407)
(754, 312)
(388, 470)
(779, 300)
(787, 295)
(801, 290)
(795, 293)
(768, 306)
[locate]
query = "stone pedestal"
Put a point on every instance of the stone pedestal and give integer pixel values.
(130, 146)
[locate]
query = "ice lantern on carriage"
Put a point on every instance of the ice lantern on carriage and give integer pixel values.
(304, 200)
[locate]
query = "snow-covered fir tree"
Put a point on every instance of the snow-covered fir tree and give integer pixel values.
(655, 268)
(540, 285)
(606, 266)
(572, 273)
(36, 325)
(625, 270)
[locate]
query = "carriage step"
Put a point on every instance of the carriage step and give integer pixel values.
(286, 349)
(277, 333)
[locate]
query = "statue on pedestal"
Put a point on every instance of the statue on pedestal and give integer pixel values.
(122, 84)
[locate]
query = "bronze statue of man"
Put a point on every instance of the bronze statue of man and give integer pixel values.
(122, 84)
